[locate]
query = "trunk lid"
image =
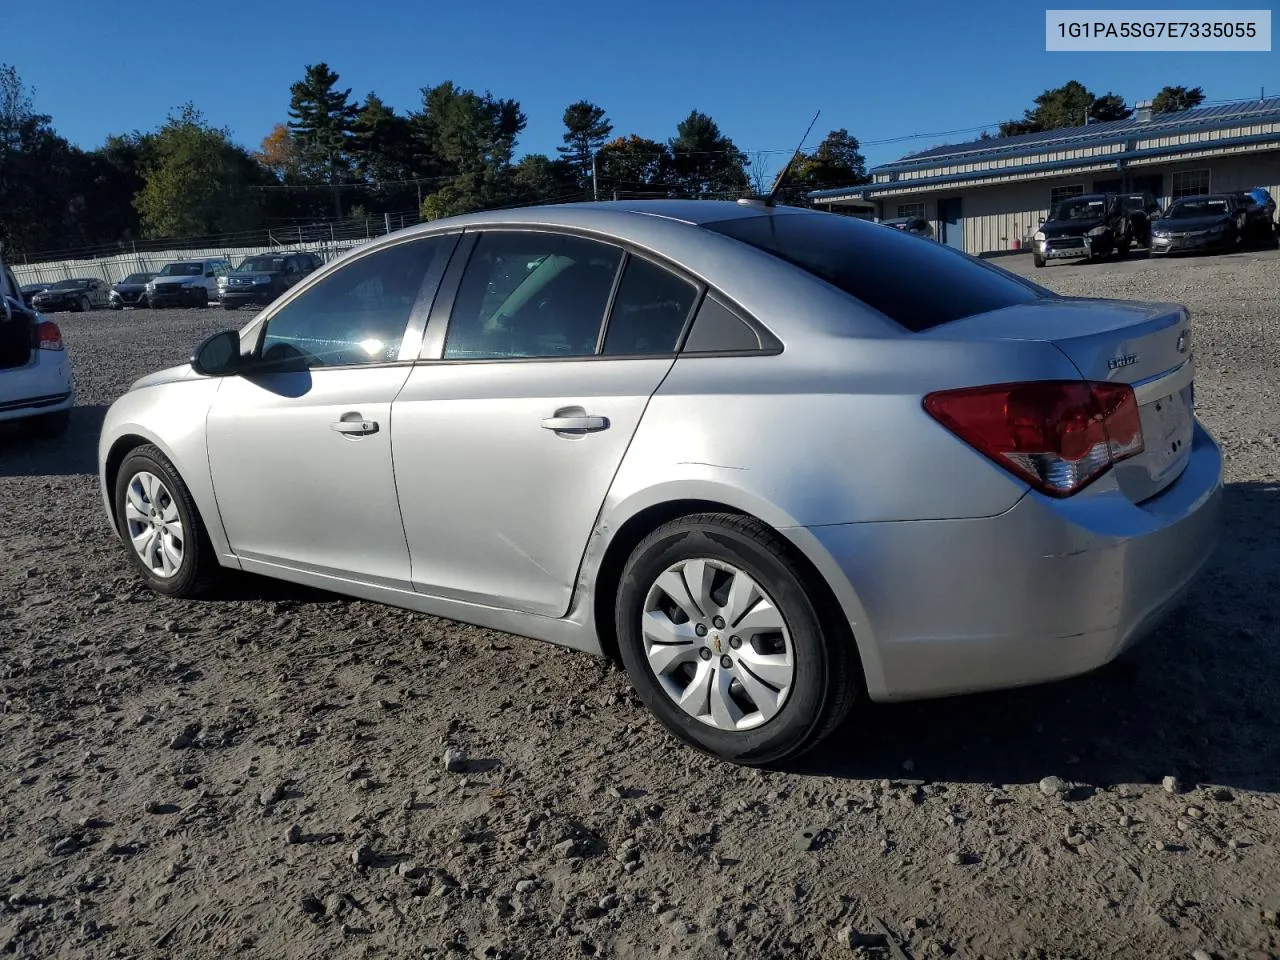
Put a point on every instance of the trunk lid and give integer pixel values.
(15, 340)
(1146, 345)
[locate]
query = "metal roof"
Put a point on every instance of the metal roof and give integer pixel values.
(1166, 124)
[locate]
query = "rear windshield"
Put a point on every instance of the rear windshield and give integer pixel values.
(915, 282)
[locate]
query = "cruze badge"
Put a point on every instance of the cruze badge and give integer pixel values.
(1125, 360)
(1182, 342)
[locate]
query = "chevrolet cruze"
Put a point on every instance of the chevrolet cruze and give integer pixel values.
(773, 459)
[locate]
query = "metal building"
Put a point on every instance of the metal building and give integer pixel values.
(989, 195)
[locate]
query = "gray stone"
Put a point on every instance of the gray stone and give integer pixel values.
(1053, 786)
(525, 886)
(455, 759)
(362, 856)
(1171, 784)
(565, 848)
(293, 834)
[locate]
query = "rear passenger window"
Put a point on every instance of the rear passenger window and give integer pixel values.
(649, 311)
(531, 295)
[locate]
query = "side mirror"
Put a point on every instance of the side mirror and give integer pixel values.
(8, 310)
(219, 355)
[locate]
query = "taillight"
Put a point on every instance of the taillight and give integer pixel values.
(46, 335)
(1058, 435)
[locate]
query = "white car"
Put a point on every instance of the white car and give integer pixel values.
(187, 283)
(35, 373)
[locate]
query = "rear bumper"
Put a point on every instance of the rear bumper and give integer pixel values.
(44, 385)
(1049, 589)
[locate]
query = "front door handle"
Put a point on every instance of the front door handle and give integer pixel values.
(353, 424)
(579, 424)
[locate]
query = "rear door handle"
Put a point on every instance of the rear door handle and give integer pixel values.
(354, 427)
(580, 424)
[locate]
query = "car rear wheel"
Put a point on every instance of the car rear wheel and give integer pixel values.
(1037, 260)
(727, 644)
(202, 298)
(160, 526)
(83, 305)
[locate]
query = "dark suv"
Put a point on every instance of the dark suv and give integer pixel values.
(1259, 211)
(1142, 209)
(1086, 227)
(262, 277)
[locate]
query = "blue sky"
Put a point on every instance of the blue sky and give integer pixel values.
(882, 71)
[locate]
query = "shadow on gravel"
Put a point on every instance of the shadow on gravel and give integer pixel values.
(73, 453)
(1197, 699)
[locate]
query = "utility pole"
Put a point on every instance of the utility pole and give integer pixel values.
(595, 183)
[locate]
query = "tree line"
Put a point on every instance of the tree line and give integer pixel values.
(334, 157)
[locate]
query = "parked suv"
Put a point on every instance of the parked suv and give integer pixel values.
(1142, 209)
(1085, 227)
(82, 293)
(35, 375)
(262, 277)
(187, 283)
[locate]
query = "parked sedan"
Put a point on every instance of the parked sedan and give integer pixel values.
(30, 290)
(743, 447)
(131, 291)
(1259, 211)
(1214, 222)
(916, 226)
(83, 294)
(36, 385)
(263, 277)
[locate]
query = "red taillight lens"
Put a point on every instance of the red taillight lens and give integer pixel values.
(1058, 435)
(46, 335)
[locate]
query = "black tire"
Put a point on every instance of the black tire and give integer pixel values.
(47, 426)
(203, 299)
(1122, 248)
(230, 306)
(1037, 260)
(199, 568)
(827, 674)
(83, 306)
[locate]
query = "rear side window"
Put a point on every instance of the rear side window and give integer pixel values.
(917, 285)
(649, 311)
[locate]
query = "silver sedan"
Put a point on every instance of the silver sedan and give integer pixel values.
(773, 459)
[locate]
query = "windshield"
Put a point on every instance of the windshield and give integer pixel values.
(883, 268)
(260, 265)
(1081, 208)
(182, 270)
(1200, 207)
(70, 285)
(138, 278)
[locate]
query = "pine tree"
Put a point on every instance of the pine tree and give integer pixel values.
(322, 119)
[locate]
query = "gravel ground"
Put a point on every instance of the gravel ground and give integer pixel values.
(285, 773)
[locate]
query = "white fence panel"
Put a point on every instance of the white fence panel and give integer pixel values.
(114, 269)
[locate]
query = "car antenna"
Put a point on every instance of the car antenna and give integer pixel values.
(770, 199)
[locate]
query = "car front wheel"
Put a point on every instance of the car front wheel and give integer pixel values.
(726, 643)
(160, 526)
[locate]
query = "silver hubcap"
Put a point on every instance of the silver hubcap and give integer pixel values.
(154, 525)
(717, 644)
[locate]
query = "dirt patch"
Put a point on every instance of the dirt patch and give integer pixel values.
(285, 773)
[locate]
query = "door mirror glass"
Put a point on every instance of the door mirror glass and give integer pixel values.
(219, 355)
